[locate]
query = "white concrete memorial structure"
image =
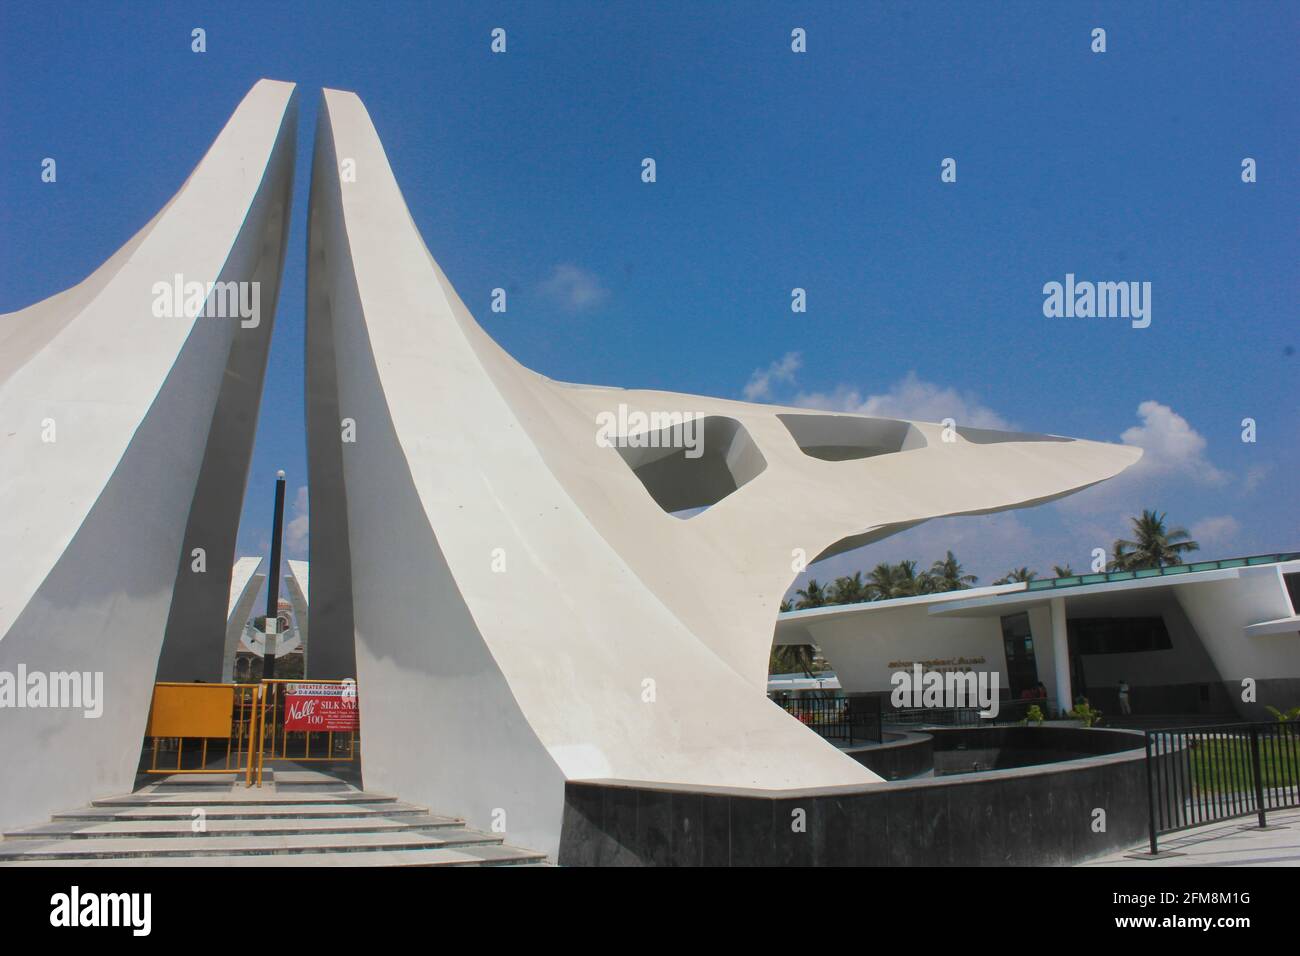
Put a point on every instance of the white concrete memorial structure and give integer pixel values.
(128, 405)
(536, 595)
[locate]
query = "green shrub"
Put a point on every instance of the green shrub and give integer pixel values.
(1086, 712)
(1284, 716)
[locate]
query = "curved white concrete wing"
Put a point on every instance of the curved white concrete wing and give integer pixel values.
(527, 609)
(125, 428)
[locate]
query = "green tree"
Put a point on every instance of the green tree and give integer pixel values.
(888, 581)
(848, 590)
(810, 595)
(1153, 545)
(791, 659)
(880, 582)
(1019, 574)
(949, 575)
(906, 580)
(1062, 571)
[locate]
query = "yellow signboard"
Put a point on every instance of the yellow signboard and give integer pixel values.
(191, 710)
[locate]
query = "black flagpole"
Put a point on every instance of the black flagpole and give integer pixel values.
(273, 582)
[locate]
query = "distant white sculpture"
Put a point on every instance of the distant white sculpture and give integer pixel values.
(241, 634)
(529, 607)
(297, 586)
(252, 641)
(245, 583)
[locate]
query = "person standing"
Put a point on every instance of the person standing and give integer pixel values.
(1124, 707)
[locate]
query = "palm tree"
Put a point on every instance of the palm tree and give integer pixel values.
(906, 581)
(949, 575)
(1062, 572)
(847, 590)
(1019, 574)
(880, 582)
(791, 659)
(888, 581)
(1153, 545)
(786, 605)
(811, 595)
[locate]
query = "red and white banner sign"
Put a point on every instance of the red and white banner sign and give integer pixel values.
(321, 707)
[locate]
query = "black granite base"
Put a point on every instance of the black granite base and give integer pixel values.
(1042, 815)
(900, 756)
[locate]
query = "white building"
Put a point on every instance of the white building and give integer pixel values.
(1191, 639)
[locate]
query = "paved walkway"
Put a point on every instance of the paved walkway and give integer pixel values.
(1230, 843)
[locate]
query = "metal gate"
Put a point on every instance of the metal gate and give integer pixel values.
(248, 724)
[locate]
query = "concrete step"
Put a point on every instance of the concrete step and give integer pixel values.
(243, 847)
(298, 818)
(227, 811)
(90, 829)
(197, 781)
(305, 778)
(487, 854)
(243, 798)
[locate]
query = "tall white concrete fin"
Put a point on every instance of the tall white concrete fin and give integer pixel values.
(533, 604)
(127, 415)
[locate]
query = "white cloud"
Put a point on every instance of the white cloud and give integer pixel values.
(1173, 455)
(1218, 531)
(782, 370)
(1170, 446)
(911, 398)
(297, 527)
(573, 289)
(1255, 476)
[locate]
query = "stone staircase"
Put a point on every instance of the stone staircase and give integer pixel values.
(297, 818)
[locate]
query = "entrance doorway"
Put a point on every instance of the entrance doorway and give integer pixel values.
(1018, 642)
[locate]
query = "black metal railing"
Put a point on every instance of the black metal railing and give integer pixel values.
(1009, 712)
(850, 719)
(1200, 775)
(933, 716)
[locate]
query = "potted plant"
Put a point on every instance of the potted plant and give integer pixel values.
(1086, 712)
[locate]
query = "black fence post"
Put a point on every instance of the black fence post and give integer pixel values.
(1259, 777)
(1151, 796)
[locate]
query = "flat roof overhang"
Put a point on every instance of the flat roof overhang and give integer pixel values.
(1283, 625)
(792, 627)
(997, 605)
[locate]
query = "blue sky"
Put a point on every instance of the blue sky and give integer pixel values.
(775, 170)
